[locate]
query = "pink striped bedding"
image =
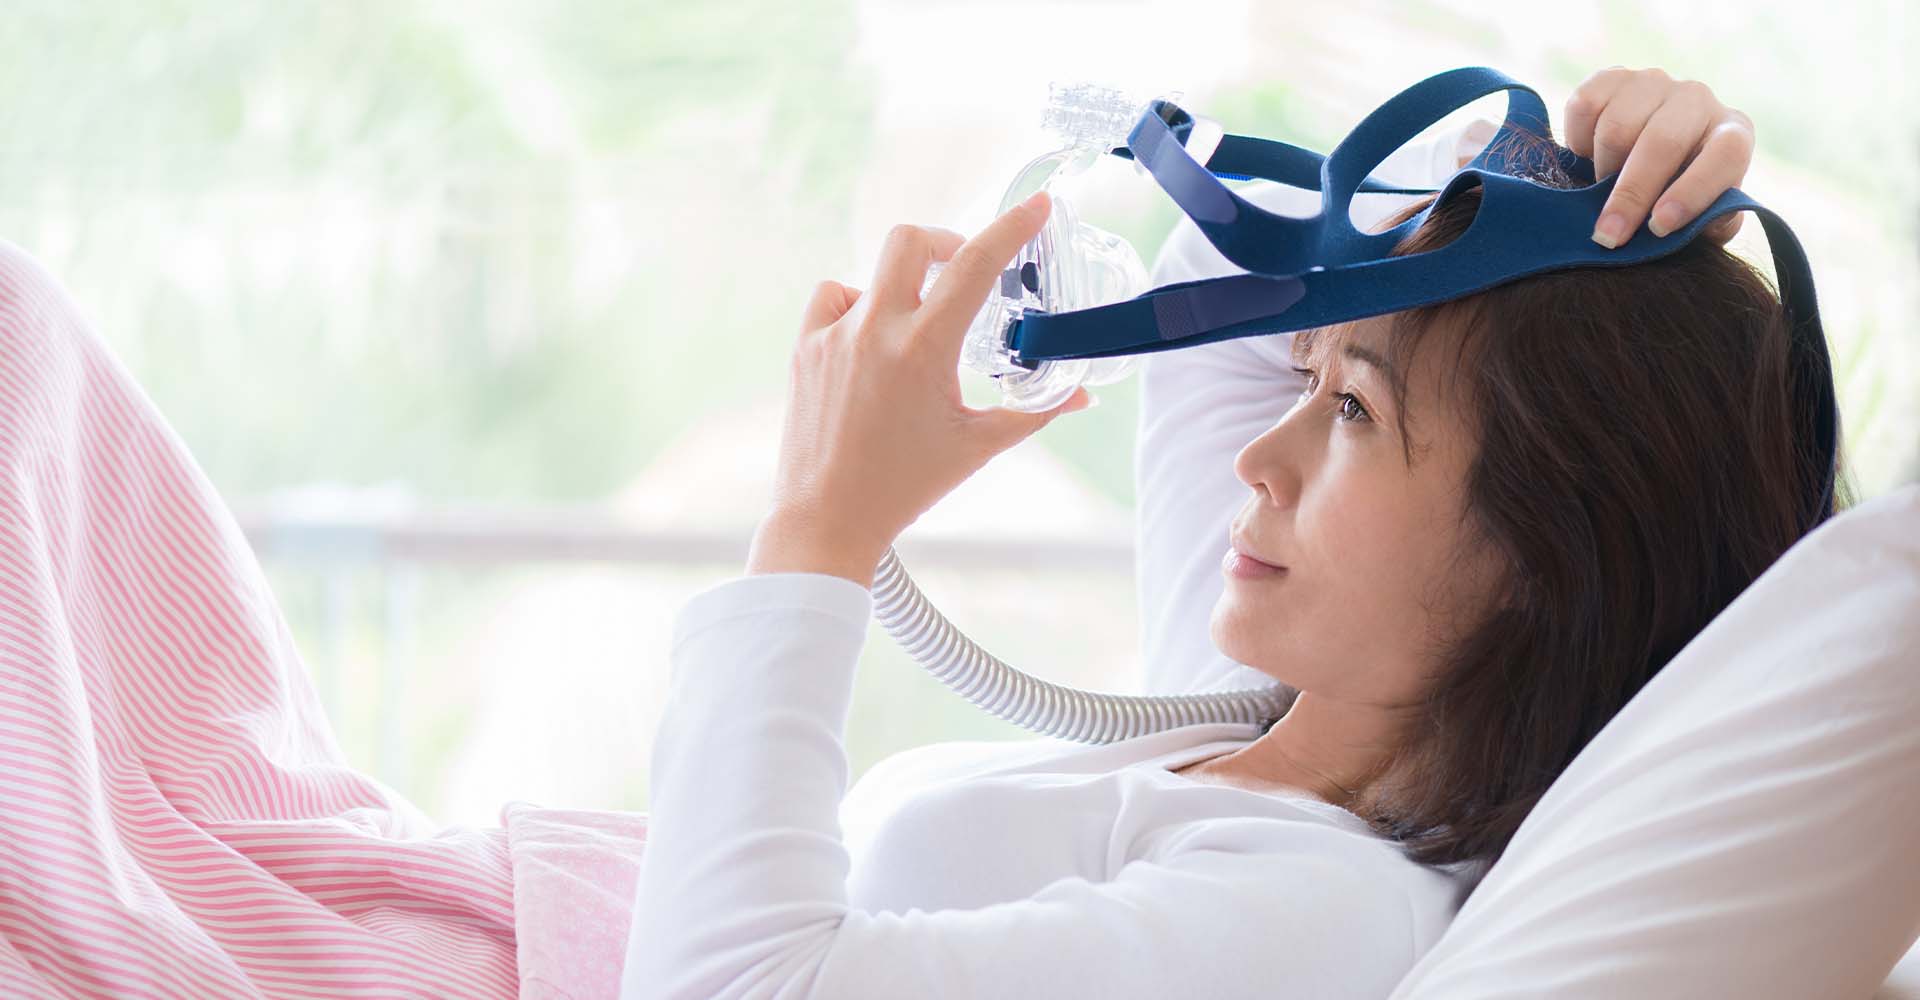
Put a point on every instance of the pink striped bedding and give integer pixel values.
(176, 819)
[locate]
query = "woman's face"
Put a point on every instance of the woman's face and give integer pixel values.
(1380, 564)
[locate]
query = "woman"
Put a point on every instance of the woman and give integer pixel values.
(179, 821)
(1477, 531)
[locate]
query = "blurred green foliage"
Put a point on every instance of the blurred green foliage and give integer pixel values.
(399, 194)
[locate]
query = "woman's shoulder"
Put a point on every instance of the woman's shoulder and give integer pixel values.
(1315, 846)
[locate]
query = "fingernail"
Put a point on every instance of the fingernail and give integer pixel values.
(1611, 231)
(1666, 218)
(1034, 199)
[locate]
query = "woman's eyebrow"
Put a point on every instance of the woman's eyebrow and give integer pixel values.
(1366, 356)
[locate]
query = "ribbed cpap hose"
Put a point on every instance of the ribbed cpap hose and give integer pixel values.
(1034, 704)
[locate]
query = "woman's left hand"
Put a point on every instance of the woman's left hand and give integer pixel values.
(876, 431)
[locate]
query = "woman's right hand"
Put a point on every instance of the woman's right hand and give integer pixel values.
(1649, 127)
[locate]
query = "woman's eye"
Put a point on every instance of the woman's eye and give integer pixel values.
(1350, 408)
(1311, 378)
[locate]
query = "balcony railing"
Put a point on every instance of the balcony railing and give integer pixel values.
(337, 542)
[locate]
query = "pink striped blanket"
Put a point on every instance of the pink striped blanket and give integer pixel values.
(176, 819)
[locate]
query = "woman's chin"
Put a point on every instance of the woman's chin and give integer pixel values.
(1232, 634)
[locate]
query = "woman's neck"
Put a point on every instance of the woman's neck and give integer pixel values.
(1328, 749)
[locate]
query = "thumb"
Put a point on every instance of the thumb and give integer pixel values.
(1007, 427)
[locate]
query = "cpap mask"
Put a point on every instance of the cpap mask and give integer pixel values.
(1074, 308)
(1069, 265)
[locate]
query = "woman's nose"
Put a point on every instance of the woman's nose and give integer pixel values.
(1277, 459)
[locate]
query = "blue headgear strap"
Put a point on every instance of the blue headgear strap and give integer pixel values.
(1311, 272)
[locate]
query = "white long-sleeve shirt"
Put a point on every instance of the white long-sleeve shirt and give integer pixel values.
(982, 869)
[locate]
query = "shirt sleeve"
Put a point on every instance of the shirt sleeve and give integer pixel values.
(742, 887)
(1198, 407)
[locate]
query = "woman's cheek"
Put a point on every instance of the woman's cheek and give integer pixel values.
(1353, 541)
(1335, 524)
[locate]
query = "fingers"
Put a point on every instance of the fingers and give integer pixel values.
(830, 301)
(975, 266)
(903, 265)
(1006, 427)
(1620, 122)
(1724, 228)
(1673, 146)
(1720, 164)
(1668, 139)
(1588, 100)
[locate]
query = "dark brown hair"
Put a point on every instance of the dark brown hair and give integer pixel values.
(1637, 467)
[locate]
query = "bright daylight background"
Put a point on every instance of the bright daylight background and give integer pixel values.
(478, 313)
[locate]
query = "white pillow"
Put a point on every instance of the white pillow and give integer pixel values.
(1749, 824)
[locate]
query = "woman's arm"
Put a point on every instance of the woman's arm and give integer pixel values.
(743, 885)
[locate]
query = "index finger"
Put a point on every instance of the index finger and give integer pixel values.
(975, 267)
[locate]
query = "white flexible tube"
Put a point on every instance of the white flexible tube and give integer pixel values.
(1034, 704)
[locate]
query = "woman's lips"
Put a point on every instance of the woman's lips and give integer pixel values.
(1239, 564)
